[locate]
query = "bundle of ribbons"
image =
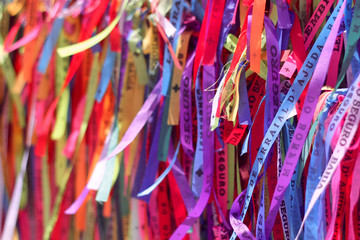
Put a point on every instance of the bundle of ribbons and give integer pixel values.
(179, 119)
